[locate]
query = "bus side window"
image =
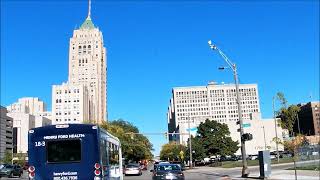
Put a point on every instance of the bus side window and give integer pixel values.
(103, 149)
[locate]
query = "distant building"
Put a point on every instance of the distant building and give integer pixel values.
(70, 103)
(308, 122)
(27, 113)
(46, 114)
(88, 66)
(218, 102)
(22, 123)
(87, 74)
(5, 132)
(28, 105)
(41, 121)
(214, 102)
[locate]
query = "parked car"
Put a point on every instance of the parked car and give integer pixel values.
(167, 171)
(25, 166)
(133, 169)
(11, 170)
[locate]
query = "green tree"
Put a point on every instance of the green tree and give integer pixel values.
(7, 157)
(215, 138)
(197, 148)
(288, 114)
(172, 152)
(21, 158)
(134, 148)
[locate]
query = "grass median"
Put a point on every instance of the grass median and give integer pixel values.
(311, 167)
(232, 164)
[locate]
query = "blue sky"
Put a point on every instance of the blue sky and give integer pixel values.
(154, 46)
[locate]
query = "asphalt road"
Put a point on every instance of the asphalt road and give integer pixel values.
(24, 176)
(201, 173)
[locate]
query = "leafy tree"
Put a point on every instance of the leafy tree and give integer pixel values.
(21, 158)
(134, 148)
(7, 157)
(288, 114)
(215, 138)
(293, 145)
(172, 152)
(197, 148)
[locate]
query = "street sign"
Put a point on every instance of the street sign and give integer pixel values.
(192, 129)
(246, 125)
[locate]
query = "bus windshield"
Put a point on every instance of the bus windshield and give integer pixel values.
(64, 151)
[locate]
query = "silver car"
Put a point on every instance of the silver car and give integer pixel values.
(132, 169)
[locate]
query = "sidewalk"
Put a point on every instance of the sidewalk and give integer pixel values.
(277, 174)
(289, 174)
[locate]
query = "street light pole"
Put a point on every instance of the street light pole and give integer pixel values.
(190, 147)
(275, 129)
(264, 135)
(233, 66)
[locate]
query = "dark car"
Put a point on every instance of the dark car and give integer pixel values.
(25, 166)
(11, 170)
(167, 171)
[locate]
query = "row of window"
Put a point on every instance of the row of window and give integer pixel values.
(67, 113)
(57, 120)
(68, 91)
(67, 101)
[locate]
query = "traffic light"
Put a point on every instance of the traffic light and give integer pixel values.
(246, 137)
(166, 135)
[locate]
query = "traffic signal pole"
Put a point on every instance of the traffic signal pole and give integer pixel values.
(245, 170)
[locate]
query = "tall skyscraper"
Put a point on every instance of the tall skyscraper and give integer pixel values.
(88, 66)
(88, 72)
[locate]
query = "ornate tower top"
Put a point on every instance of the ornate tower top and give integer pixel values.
(88, 24)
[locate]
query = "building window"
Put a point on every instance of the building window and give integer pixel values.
(84, 49)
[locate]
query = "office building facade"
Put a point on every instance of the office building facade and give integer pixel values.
(308, 122)
(70, 103)
(6, 138)
(190, 106)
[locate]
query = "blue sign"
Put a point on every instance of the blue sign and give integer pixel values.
(246, 125)
(192, 129)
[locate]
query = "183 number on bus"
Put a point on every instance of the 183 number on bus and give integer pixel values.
(40, 143)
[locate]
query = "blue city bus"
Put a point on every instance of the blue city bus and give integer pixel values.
(73, 152)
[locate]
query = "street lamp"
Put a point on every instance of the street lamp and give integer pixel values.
(245, 170)
(190, 144)
(264, 136)
(275, 128)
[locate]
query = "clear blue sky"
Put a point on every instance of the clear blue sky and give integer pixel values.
(154, 46)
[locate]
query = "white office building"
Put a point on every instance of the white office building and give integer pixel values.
(22, 123)
(6, 138)
(214, 102)
(27, 113)
(28, 105)
(70, 103)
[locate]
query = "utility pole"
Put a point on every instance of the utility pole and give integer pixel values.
(275, 129)
(233, 66)
(190, 144)
(264, 135)
(245, 170)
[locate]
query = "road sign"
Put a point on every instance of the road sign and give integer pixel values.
(246, 125)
